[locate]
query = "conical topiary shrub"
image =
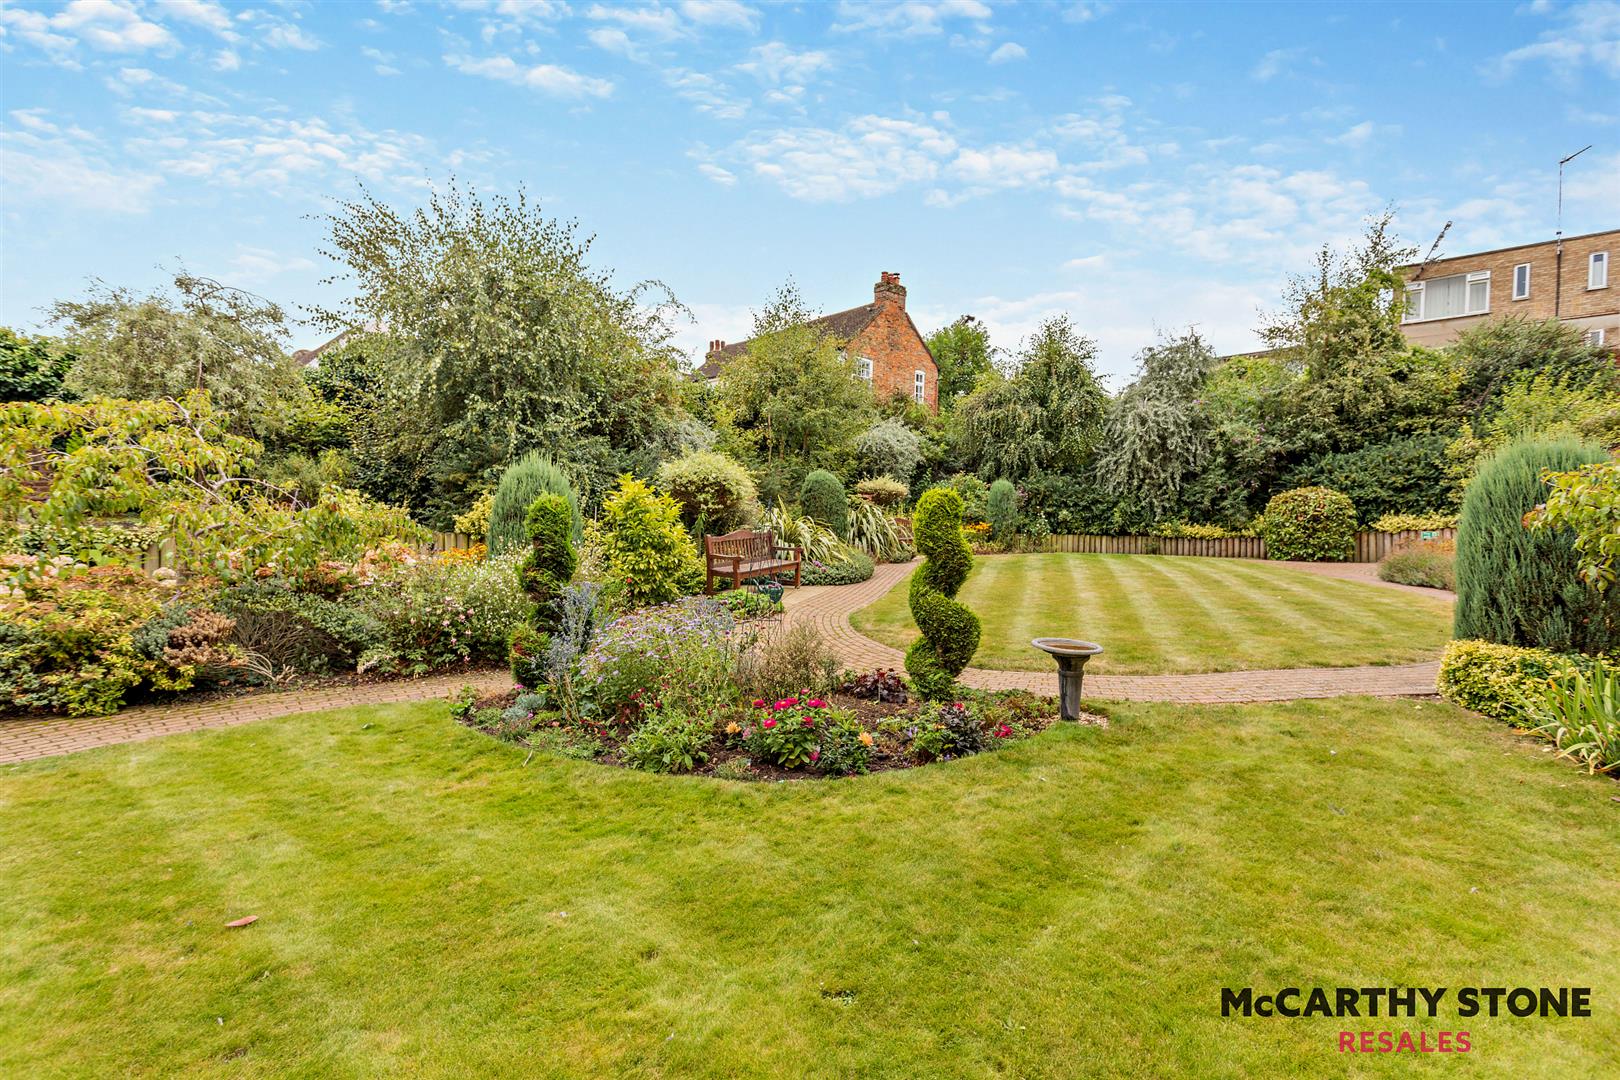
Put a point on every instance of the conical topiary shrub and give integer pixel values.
(1520, 587)
(524, 481)
(950, 630)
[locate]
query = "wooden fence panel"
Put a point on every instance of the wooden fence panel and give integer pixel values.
(1370, 546)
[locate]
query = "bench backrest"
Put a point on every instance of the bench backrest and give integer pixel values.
(744, 543)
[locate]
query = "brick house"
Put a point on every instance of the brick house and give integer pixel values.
(887, 349)
(1572, 281)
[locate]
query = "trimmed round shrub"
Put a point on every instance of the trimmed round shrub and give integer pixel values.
(525, 480)
(889, 448)
(1517, 586)
(1310, 524)
(714, 490)
(883, 490)
(822, 497)
(1002, 510)
(950, 630)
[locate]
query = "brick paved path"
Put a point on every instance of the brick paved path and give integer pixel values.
(829, 607)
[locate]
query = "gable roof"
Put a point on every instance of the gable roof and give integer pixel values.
(841, 326)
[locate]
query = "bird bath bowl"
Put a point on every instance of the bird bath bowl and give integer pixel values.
(1071, 656)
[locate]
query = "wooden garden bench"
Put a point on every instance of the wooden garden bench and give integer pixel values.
(745, 554)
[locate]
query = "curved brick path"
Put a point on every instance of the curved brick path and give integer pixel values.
(827, 607)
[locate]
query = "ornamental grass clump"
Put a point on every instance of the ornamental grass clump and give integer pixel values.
(1523, 586)
(1310, 524)
(950, 631)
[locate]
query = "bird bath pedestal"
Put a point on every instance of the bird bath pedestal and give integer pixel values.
(1071, 656)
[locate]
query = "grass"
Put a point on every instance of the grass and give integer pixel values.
(1155, 614)
(1070, 906)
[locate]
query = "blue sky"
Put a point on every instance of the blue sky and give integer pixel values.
(1140, 167)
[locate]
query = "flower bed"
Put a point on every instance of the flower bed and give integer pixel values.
(790, 738)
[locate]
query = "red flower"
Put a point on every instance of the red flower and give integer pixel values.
(815, 755)
(768, 724)
(809, 722)
(1003, 731)
(759, 703)
(790, 702)
(817, 703)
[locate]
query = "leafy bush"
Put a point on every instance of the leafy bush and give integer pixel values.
(880, 685)
(550, 561)
(1001, 509)
(1311, 524)
(1519, 586)
(873, 531)
(1430, 563)
(882, 490)
(283, 629)
(648, 554)
(793, 658)
(669, 741)
(68, 642)
(949, 731)
(845, 748)
(475, 522)
(436, 614)
(1394, 523)
(1069, 504)
(950, 632)
(889, 449)
(1587, 502)
(681, 655)
(524, 481)
(714, 491)
(1581, 715)
(822, 497)
(526, 655)
(847, 566)
(787, 732)
(1196, 531)
(746, 603)
(1503, 682)
(1404, 476)
(818, 543)
(190, 638)
(975, 495)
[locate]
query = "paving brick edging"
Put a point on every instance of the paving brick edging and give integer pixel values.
(828, 607)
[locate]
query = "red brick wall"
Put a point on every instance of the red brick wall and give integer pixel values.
(897, 352)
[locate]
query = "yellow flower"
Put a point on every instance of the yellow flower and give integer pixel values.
(732, 728)
(866, 738)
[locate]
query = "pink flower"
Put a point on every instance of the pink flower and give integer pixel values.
(1003, 731)
(767, 725)
(817, 703)
(759, 703)
(815, 755)
(791, 701)
(809, 722)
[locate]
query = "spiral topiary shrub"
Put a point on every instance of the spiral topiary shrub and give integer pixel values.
(525, 480)
(1002, 510)
(1310, 524)
(822, 497)
(1518, 586)
(551, 561)
(950, 630)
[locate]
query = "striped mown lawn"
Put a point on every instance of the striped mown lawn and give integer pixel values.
(1155, 614)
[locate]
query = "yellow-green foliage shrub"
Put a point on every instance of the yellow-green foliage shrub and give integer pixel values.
(1504, 682)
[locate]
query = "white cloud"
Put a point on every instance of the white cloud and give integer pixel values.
(106, 25)
(284, 35)
(1004, 167)
(612, 39)
(47, 166)
(257, 266)
(910, 18)
(1276, 62)
(727, 13)
(1084, 11)
(723, 177)
(1359, 135)
(546, 78)
(656, 22)
(1588, 33)
(1008, 52)
(226, 60)
(204, 13)
(775, 63)
(708, 93)
(382, 62)
(868, 157)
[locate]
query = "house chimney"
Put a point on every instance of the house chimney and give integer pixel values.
(888, 289)
(715, 345)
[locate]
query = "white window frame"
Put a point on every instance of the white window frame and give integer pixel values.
(1595, 337)
(863, 368)
(1525, 294)
(919, 386)
(1597, 270)
(1415, 294)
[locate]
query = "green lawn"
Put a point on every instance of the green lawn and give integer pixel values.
(1161, 613)
(429, 905)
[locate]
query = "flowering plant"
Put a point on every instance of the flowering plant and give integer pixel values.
(681, 652)
(786, 732)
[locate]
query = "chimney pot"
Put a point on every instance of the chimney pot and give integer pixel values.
(888, 289)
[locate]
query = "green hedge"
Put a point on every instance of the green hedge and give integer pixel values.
(1313, 524)
(1406, 476)
(1501, 681)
